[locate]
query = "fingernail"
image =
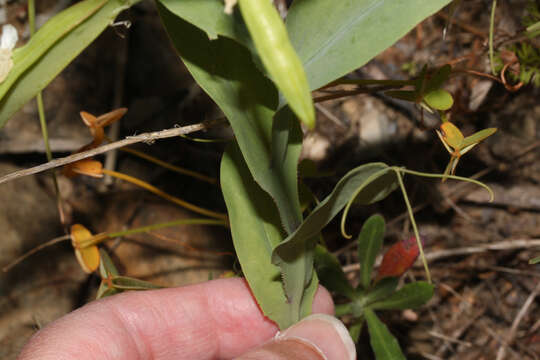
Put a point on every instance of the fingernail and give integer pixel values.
(324, 332)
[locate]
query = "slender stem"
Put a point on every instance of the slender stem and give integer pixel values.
(167, 224)
(170, 166)
(365, 82)
(42, 119)
(491, 31)
(34, 250)
(32, 16)
(345, 93)
(207, 141)
(164, 195)
(413, 221)
(43, 124)
(455, 177)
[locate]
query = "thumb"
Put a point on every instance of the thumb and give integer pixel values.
(316, 337)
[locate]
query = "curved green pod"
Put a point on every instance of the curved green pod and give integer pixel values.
(278, 56)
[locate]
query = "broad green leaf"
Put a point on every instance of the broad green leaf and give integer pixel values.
(333, 38)
(278, 56)
(54, 29)
(52, 48)
(381, 290)
(129, 283)
(248, 100)
(477, 137)
(384, 344)
(330, 273)
(439, 99)
(535, 260)
(409, 296)
(225, 70)
(370, 242)
(208, 15)
(256, 231)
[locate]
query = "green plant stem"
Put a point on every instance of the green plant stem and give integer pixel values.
(413, 221)
(42, 119)
(343, 309)
(32, 16)
(366, 82)
(43, 124)
(167, 224)
(455, 177)
(491, 31)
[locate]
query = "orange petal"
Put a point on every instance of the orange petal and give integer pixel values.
(87, 167)
(88, 258)
(452, 135)
(110, 117)
(88, 119)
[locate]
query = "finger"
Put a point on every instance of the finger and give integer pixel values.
(317, 337)
(217, 319)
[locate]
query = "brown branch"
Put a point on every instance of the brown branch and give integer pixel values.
(148, 138)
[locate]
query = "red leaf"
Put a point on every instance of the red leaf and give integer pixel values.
(399, 258)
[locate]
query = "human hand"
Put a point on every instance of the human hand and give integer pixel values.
(214, 320)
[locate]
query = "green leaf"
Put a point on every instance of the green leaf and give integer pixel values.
(439, 99)
(330, 273)
(370, 242)
(297, 245)
(535, 260)
(248, 100)
(256, 231)
(333, 38)
(355, 330)
(106, 265)
(278, 56)
(104, 291)
(208, 15)
(107, 270)
(52, 48)
(351, 185)
(129, 283)
(477, 137)
(382, 290)
(409, 296)
(384, 344)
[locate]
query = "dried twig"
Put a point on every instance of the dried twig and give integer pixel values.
(149, 138)
(502, 245)
(520, 315)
